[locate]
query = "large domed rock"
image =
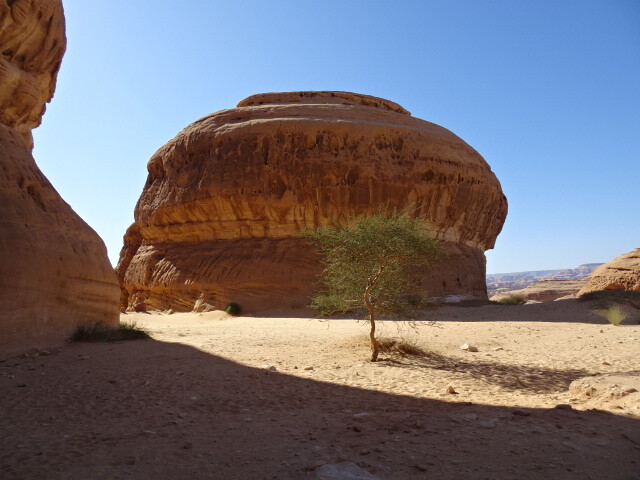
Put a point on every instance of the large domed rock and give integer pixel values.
(55, 271)
(224, 202)
(621, 273)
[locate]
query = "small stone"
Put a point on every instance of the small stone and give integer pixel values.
(469, 348)
(343, 471)
(489, 423)
(308, 368)
(563, 406)
(497, 349)
(421, 467)
(270, 368)
(362, 416)
(522, 413)
(451, 390)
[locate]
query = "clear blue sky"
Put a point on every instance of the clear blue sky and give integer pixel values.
(547, 91)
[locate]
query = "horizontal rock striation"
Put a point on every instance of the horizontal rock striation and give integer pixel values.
(55, 270)
(621, 273)
(224, 202)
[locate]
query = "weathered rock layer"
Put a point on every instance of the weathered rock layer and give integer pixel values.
(55, 274)
(220, 214)
(621, 273)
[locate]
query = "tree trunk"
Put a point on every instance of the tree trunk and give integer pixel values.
(372, 336)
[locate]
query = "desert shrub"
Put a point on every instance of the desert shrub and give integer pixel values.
(130, 330)
(614, 314)
(369, 264)
(127, 330)
(233, 309)
(401, 346)
(514, 299)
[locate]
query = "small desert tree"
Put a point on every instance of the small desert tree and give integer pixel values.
(371, 263)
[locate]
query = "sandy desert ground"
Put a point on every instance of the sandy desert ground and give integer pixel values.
(197, 401)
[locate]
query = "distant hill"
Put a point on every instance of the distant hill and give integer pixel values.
(502, 282)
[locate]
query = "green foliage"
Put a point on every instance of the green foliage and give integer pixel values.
(372, 264)
(513, 299)
(233, 309)
(614, 314)
(99, 333)
(373, 260)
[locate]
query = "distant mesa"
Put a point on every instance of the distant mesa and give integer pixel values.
(224, 202)
(540, 285)
(55, 270)
(621, 273)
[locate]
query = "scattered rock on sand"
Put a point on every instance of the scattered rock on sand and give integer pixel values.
(343, 471)
(451, 390)
(469, 348)
(621, 388)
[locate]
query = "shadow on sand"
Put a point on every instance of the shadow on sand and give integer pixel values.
(511, 377)
(154, 410)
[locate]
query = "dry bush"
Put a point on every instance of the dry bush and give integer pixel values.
(127, 330)
(514, 299)
(614, 314)
(398, 346)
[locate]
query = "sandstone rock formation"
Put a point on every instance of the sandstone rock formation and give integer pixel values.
(224, 202)
(621, 273)
(55, 274)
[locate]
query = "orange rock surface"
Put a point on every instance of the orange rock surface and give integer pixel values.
(55, 271)
(621, 273)
(224, 202)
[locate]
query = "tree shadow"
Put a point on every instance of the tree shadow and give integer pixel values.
(151, 409)
(511, 377)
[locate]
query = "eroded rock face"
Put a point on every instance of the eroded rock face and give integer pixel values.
(55, 271)
(621, 273)
(220, 214)
(32, 42)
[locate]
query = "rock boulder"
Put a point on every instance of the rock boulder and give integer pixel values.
(224, 202)
(621, 273)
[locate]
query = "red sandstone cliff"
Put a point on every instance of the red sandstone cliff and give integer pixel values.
(224, 201)
(54, 272)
